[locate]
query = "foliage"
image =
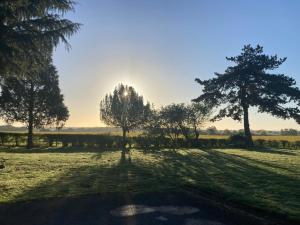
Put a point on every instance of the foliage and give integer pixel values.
(290, 132)
(35, 101)
(212, 130)
(197, 115)
(143, 141)
(124, 108)
(29, 30)
(172, 119)
(249, 84)
(180, 119)
(238, 140)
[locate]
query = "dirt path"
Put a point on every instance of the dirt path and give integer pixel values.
(123, 209)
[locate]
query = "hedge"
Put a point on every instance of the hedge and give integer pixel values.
(107, 141)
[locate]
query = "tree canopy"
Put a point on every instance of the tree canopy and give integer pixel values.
(124, 108)
(34, 100)
(29, 30)
(178, 119)
(185, 119)
(250, 83)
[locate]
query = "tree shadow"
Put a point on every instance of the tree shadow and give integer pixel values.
(235, 178)
(78, 149)
(239, 179)
(269, 150)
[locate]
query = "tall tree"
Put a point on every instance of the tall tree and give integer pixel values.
(29, 29)
(34, 100)
(124, 108)
(250, 83)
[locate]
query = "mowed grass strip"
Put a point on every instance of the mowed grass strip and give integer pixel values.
(269, 180)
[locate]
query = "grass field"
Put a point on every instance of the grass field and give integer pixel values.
(264, 137)
(268, 180)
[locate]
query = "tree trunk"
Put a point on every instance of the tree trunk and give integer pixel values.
(185, 133)
(124, 138)
(247, 131)
(196, 133)
(30, 118)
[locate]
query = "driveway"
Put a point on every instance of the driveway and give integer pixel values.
(124, 209)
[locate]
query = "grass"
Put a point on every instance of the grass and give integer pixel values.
(266, 179)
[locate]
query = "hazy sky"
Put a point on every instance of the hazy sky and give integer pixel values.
(161, 46)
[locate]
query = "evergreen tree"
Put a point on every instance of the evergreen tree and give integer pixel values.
(34, 100)
(29, 29)
(250, 83)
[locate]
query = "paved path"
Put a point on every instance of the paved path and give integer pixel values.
(122, 209)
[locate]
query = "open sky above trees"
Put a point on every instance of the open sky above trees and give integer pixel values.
(161, 47)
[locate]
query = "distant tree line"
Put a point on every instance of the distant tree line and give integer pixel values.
(289, 132)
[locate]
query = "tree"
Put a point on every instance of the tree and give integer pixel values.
(227, 132)
(173, 118)
(212, 130)
(124, 108)
(289, 132)
(249, 83)
(29, 30)
(153, 124)
(261, 132)
(34, 100)
(185, 119)
(197, 115)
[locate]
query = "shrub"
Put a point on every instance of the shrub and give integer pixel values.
(260, 142)
(237, 140)
(4, 138)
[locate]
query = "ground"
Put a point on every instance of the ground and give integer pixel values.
(266, 180)
(129, 209)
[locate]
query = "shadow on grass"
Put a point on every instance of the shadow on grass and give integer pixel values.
(270, 150)
(250, 182)
(83, 149)
(55, 149)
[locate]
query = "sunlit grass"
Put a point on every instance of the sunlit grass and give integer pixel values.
(265, 179)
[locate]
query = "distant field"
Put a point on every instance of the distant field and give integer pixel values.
(269, 137)
(268, 180)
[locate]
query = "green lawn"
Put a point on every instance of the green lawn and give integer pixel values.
(265, 179)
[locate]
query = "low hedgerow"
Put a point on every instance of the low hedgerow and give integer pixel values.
(107, 141)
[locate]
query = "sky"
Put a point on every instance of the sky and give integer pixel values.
(160, 47)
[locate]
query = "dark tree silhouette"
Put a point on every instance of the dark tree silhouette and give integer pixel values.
(249, 83)
(29, 30)
(35, 100)
(124, 108)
